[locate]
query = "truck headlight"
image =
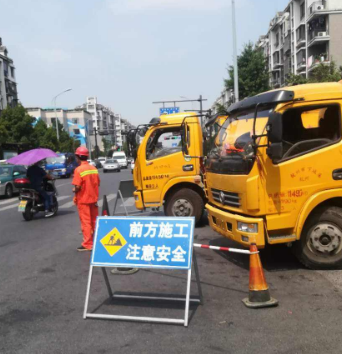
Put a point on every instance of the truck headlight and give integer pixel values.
(63, 169)
(244, 227)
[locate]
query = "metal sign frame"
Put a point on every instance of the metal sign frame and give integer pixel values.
(113, 295)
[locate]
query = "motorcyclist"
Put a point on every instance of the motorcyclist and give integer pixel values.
(36, 175)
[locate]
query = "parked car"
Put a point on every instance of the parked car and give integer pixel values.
(111, 165)
(97, 163)
(8, 173)
(102, 160)
(61, 166)
(92, 162)
(121, 157)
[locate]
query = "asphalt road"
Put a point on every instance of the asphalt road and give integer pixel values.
(43, 283)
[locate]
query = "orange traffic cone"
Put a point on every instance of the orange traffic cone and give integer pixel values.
(259, 295)
(105, 209)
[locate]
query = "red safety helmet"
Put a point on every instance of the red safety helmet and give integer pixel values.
(82, 151)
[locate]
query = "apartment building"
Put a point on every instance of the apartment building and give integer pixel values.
(8, 85)
(77, 122)
(108, 124)
(305, 34)
(225, 99)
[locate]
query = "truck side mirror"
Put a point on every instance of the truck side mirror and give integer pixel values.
(275, 128)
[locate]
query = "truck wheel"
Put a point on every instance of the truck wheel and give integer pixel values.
(320, 245)
(28, 214)
(185, 202)
(9, 191)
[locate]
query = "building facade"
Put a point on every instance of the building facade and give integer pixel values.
(8, 85)
(305, 34)
(225, 99)
(77, 122)
(108, 125)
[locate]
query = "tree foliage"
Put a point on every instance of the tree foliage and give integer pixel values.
(253, 76)
(321, 73)
(16, 126)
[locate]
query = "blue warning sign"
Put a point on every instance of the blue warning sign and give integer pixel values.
(152, 242)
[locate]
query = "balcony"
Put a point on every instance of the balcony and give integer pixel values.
(316, 60)
(318, 36)
(276, 82)
(300, 42)
(301, 65)
(316, 9)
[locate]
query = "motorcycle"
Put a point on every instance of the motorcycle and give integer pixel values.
(31, 202)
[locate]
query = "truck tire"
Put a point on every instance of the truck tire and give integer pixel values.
(185, 202)
(320, 245)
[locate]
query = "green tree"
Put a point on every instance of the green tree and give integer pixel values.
(321, 73)
(253, 76)
(16, 125)
(326, 73)
(221, 109)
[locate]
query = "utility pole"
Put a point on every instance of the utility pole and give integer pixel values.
(54, 100)
(201, 109)
(236, 78)
(96, 146)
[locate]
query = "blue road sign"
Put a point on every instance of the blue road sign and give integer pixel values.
(151, 242)
(168, 110)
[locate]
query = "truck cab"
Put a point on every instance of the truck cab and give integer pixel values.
(163, 176)
(274, 173)
(61, 166)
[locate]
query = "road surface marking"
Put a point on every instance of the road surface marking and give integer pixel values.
(10, 206)
(7, 201)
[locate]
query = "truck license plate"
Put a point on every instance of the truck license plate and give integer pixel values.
(22, 205)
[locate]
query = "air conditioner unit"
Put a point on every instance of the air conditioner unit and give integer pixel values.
(322, 34)
(319, 7)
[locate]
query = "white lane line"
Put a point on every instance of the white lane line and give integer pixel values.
(10, 206)
(99, 203)
(67, 205)
(7, 201)
(62, 197)
(64, 184)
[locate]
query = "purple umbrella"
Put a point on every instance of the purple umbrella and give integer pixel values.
(32, 156)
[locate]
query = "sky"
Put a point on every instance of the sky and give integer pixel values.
(127, 53)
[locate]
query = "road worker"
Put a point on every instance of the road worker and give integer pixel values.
(86, 183)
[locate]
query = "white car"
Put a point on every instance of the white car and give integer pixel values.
(111, 165)
(121, 157)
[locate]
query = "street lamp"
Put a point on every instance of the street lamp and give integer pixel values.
(54, 100)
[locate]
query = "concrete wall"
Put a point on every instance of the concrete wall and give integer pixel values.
(335, 30)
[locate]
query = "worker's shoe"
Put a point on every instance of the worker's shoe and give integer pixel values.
(48, 213)
(82, 249)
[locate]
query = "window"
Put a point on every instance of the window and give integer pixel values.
(12, 72)
(302, 10)
(163, 142)
(308, 129)
(90, 106)
(76, 131)
(74, 120)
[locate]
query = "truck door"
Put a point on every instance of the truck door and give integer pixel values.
(164, 161)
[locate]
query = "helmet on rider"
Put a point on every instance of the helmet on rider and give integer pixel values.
(82, 151)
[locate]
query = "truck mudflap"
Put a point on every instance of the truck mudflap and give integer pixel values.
(226, 224)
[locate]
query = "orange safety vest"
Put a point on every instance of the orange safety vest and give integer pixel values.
(87, 177)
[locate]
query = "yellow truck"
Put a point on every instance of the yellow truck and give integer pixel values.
(163, 176)
(274, 173)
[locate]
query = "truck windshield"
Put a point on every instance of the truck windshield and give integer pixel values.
(55, 160)
(233, 142)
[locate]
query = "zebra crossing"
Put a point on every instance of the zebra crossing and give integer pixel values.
(12, 203)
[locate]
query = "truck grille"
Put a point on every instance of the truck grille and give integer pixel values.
(226, 198)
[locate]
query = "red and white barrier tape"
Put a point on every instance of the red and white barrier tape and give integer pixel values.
(226, 249)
